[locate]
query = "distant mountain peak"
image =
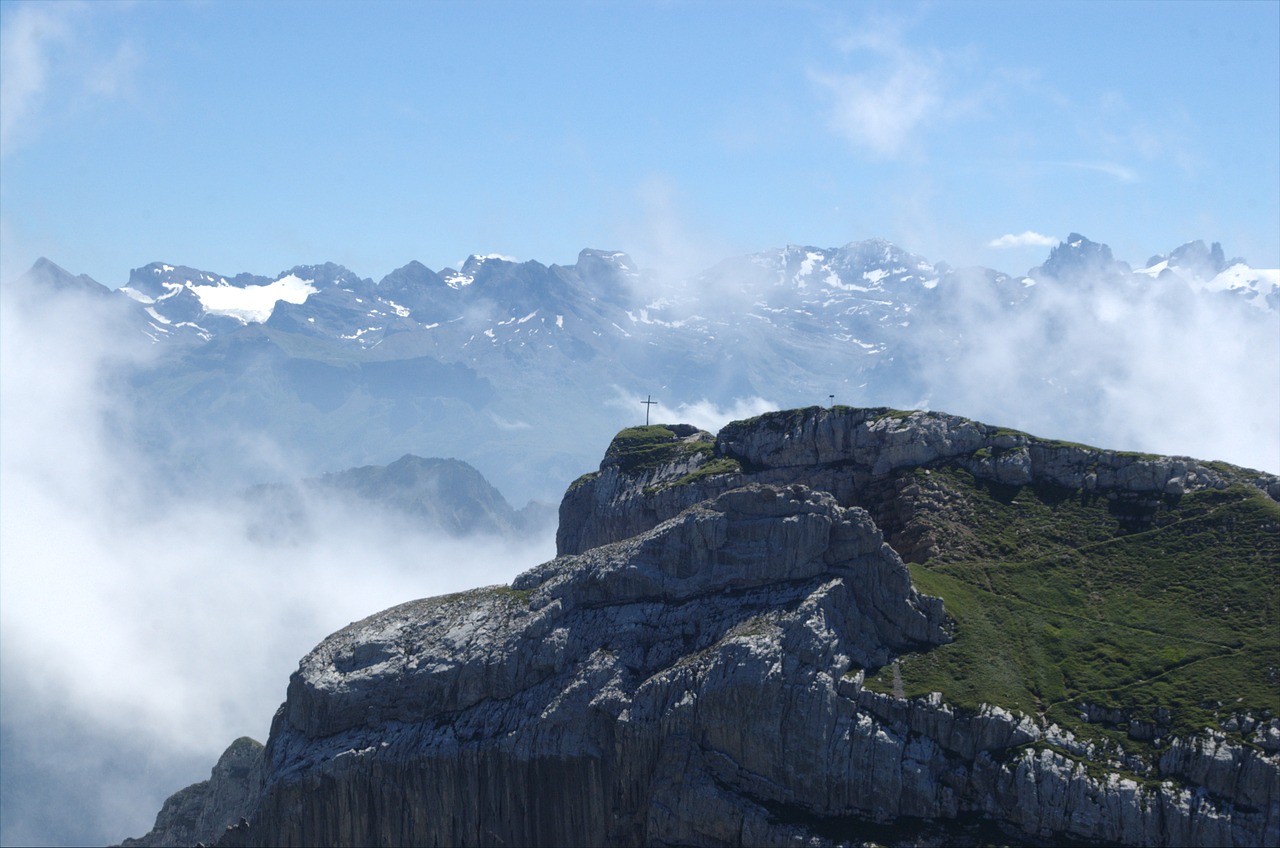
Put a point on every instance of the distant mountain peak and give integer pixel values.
(604, 266)
(1195, 258)
(52, 275)
(475, 261)
(1077, 258)
(863, 293)
(325, 275)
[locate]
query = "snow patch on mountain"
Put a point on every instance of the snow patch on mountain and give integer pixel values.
(806, 266)
(253, 304)
(137, 295)
(1155, 270)
(361, 332)
(1257, 285)
(1254, 285)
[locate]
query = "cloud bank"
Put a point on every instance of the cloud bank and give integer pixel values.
(143, 625)
(1150, 368)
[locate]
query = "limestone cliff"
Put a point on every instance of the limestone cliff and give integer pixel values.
(200, 813)
(730, 650)
(854, 454)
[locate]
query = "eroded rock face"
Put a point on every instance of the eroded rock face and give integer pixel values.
(573, 707)
(689, 671)
(200, 813)
(852, 454)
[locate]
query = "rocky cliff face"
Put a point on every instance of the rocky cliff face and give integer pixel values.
(853, 454)
(200, 813)
(696, 668)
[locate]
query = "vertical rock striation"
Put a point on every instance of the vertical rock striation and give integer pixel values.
(572, 707)
(693, 670)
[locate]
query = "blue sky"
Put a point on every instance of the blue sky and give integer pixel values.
(236, 136)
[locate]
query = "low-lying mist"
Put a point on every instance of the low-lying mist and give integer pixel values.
(145, 625)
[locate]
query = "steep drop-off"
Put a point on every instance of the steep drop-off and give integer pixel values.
(730, 650)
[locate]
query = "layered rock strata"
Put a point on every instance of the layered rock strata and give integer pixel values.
(852, 453)
(604, 698)
(690, 671)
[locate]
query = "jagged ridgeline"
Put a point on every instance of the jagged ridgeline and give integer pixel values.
(820, 626)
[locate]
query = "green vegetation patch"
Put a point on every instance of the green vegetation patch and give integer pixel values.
(1060, 443)
(636, 450)
(723, 465)
(778, 421)
(1055, 606)
(583, 480)
(985, 520)
(895, 414)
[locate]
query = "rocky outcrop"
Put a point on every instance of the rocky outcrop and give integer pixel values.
(200, 813)
(1045, 785)
(852, 453)
(625, 498)
(572, 707)
(693, 670)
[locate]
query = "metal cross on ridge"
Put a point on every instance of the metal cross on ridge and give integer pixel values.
(647, 403)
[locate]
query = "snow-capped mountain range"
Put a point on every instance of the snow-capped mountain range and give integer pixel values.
(846, 285)
(480, 362)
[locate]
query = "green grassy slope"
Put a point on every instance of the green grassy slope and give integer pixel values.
(1056, 606)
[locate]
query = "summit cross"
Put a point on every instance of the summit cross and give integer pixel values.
(647, 403)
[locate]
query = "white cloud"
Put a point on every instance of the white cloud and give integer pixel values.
(880, 110)
(891, 94)
(710, 416)
(114, 77)
(655, 223)
(703, 414)
(1138, 369)
(49, 63)
(1028, 238)
(114, 587)
(509, 424)
(26, 43)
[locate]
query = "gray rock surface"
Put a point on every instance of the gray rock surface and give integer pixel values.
(200, 813)
(571, 707)
(690, 670)
(851, 452)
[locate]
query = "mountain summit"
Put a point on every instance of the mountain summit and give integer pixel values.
(731, 650)
(1077, 259)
